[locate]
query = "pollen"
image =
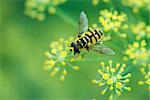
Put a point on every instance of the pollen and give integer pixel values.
(54, 51)
(94, 81)
(118, 92)
(63, 53)
(52, 63)
(105, 76)
(113, 70)
(119, 76)
(136, 44)
(103, 92)
(119, 85)
(110, 81)
(75, 67)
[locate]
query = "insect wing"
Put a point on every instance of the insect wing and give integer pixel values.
(83, 23)
(101, 48)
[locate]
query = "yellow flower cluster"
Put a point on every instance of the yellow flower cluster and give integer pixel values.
(38, 8)
(141, 30)
(60, 58)
(138, 53)
(112, 78)
(96, 2)
(145, 71)
(112, 21)
(137, 5)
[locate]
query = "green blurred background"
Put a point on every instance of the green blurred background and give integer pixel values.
(24, 41)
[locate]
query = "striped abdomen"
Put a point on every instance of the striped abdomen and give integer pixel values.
(88, 38)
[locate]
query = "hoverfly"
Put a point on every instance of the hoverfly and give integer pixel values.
(89, 39)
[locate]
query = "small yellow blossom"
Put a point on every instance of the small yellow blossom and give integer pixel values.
(136, 6)
(112, 78)
(113, 21)
(52, 10)
(38, 8)
(138, 53)
(96, 2)
(145, 71)
(60, 59)
(141, 30)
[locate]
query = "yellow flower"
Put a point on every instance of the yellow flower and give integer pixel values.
(136, 6)
(113, 21)
(52, 10)
(140, 30)
(62, 77)
(75, 67)
(60, 59)
(63, 54)
(145, 72)
(96, 2)
(119, 85)
(51, 63)
(112, 78)
(105, 76)
(138, 53)
(110, 81)
(38, 8)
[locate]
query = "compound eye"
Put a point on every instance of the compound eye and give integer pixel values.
(71, 49)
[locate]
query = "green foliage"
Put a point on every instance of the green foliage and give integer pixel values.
(24, 40)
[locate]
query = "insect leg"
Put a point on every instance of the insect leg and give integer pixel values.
(79, 35)
(77, 52)
(87, 48)
(83, 54)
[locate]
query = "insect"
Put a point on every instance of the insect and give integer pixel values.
(89, 39)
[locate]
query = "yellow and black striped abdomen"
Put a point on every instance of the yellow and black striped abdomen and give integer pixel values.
(88, 38)
(93, 36)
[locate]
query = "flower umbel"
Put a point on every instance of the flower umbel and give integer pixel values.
(112, 21)
(141, 30)
(138, 53)
(145, 71)
(60, 58)
(136, 6)
(112, 78)
(38, 8)
(96, 2)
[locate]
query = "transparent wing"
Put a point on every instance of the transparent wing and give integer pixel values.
(101, 48)
(83, 23)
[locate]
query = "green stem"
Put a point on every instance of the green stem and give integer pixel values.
(62, 14)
